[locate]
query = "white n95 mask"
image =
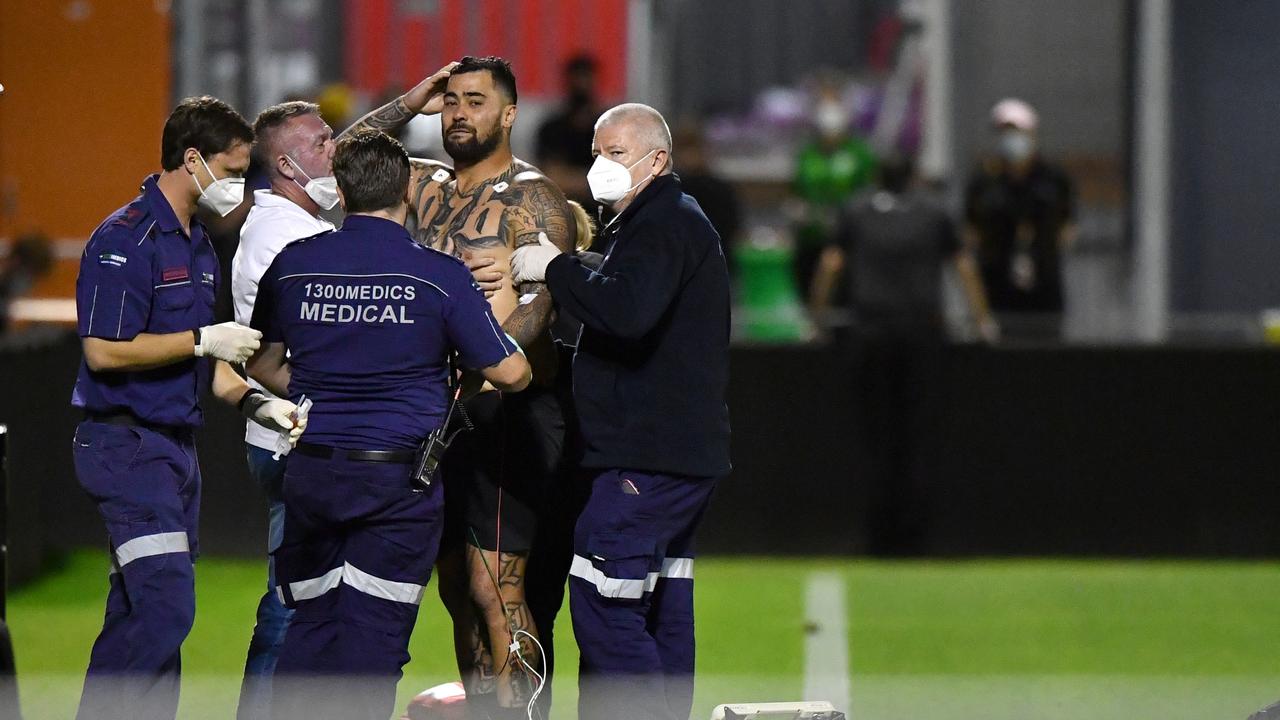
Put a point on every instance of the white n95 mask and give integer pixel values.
(831, 118)
(223, 195)
(610, 180)
(323, 190)
(1015, 145)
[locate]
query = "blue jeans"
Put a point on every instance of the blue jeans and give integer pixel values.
(273, 616)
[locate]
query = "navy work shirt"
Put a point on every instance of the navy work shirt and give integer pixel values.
(142, 273)
(652, 366)
(369, 318)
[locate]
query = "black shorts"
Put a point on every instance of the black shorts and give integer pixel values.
(501, 476)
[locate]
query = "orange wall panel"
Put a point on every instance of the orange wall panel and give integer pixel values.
(87, 90)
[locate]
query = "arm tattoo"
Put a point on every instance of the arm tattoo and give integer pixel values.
(541, 209)
(528, 321)
(389, 118)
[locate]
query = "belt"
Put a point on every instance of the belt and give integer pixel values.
(128, 419)
(381, 456)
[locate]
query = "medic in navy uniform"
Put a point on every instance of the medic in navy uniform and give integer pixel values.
(144, 300)
(649, 381)
(368, 319)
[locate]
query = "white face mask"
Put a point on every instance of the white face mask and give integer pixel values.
(610, 180)
(1015, 145)
(223, 196)
(831, 119)
(323, 190)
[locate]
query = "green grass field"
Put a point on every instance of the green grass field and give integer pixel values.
(938, 640)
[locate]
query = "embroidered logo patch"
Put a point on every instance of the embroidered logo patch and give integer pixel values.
(207, 278)
(112, 259)
(173, 274)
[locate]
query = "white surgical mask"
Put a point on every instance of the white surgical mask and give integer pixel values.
(223, 195)
(831, 119)
(1015, 145)
(610, 180)
(324, 190)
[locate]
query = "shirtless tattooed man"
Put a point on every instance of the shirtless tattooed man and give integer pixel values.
(498, 477)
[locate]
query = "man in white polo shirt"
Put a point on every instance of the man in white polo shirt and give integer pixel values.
(295, 150)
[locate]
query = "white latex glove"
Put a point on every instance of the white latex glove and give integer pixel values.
(229, 341)
(529, 262)
(278, 415)
(285, 443)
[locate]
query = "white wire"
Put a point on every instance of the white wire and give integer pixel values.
(542, 679)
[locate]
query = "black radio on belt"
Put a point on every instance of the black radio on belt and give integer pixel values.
(431, 451)
(427, 460)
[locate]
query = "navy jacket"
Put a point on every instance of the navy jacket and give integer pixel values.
(652, 366)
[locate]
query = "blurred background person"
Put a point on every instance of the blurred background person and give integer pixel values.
(830, 168)
(886, 264)
(717, 197)
(887, 256)
(564, 140)
(30, 258)
(1019, 210)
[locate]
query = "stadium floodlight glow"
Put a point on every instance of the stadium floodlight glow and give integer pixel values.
(804, 710)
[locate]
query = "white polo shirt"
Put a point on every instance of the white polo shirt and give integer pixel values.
(274, 221)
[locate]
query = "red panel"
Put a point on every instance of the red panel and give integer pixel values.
(378, 33)
(528, 53)
(549, 32)
(611, 47)
(493, 28)
(452, 29)
(415, 42)
(571, 42)
(353, 57)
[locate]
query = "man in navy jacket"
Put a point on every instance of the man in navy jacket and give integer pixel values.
(649, 380)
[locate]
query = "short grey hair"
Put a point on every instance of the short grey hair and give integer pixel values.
(267, 126)
(650, 128)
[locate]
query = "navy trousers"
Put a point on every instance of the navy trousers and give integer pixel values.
(359, 544)
(147, 488)
(631, 595)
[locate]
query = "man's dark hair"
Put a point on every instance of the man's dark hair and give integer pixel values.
(205, 123)
(581, 63)
(372, 169)
(896, 171)
(272, 119)
(499, 70)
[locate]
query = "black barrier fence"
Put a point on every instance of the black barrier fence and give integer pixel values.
(1129, 451)
(9, 707)
(4, 521)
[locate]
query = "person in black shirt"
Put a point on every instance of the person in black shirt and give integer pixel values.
(564, 140)
(717, 198)
(891, 246)
(1019, 210)
(887, 259)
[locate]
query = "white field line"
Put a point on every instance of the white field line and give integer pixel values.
(826, 648)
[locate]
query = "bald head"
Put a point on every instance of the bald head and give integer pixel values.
(641, 125)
